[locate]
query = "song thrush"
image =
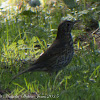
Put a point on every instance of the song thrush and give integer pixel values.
(58, 55)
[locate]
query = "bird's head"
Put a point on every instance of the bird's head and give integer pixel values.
(65, 28)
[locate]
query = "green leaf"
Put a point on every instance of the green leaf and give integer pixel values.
(20, 42)
(12, 46)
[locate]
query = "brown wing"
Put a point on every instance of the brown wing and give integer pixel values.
(50, 53)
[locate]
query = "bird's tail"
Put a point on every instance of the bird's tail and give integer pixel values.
(33, 68)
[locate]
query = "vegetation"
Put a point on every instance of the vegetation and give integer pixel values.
(25, 34)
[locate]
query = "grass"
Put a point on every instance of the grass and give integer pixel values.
(24, 38)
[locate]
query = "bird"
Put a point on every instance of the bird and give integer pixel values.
(58, 55)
